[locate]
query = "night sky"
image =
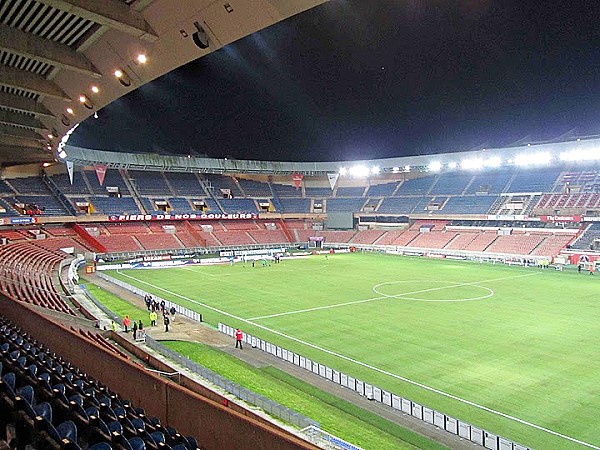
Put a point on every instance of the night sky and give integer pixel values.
(360, 79)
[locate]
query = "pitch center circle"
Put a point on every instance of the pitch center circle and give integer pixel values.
(414, 293)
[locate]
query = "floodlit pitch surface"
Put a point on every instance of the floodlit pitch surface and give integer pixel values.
(510, 349)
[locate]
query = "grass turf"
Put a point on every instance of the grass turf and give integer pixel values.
(337, 416)
(333, 414)
(520, 341)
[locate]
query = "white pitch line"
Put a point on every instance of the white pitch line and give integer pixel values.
(377, 369)
(383, 297)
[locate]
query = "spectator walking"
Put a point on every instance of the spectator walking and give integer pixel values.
(113, 325)
(134, 328)
(239, 335)
(166, 321)
(126, 323)
(153, 317)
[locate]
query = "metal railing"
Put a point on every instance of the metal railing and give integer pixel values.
(269, 406)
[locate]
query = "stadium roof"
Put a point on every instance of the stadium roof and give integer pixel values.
(59, 58)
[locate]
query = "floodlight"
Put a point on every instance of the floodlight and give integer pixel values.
(494, 161)
(343, 171)
(395, 169)
(469, 164)
(62, 154)
(70, 111)
(123, 77)
(141, 58)
(533, 159)
(407, 168)
(580, 155)
(375, 170)
(452, 165)
(435, 166)
(95, 89)
(359, 171)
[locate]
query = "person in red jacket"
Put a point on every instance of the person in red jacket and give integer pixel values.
(238, 338)
(126, 323)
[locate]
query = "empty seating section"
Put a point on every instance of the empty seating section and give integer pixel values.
(382, 190)
(133, 228)
(286, 190)
(234, 237)
(433, 239)
(112, 178)
(7, 203)
(490, 183)
(255, 188)
(29, 185)
(461, 241)
(585, 241)
(481, 241)
(586, 181)
(149, 183)
(553, 244)
(185, 184)
(59, 231)
(423, 204)
(345, 204)
(367, 237)
(51, 404)
(389, 237)
(47, 203)
(180, 205)
(238, 205)
(5, 189)
(415, 186)
(472, 204)
(451, 184)
(119, 243)
(148, 205)
(114, 205)
(350, 191)
(188, 240)
(295, 205)
(516, 243)
(63, 183)
(218, 182)
(398, 205)
(534, 180)
(560, 201)
(26, 275)
(318, 191)
(268, 236)
(239, 225)
(158, 241)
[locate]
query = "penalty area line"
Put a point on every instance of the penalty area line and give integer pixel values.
(377, 369)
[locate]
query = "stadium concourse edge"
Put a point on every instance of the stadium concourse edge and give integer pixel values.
(185, 329)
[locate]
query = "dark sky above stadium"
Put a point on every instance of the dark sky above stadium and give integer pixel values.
(354, 79)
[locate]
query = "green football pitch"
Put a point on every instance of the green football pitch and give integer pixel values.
(513, 350)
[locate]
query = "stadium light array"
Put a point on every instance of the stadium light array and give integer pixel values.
(359, 171)
(395, 169)
(452, 165)
(471, 164)
(533, 159)
(580, 155)
(407, 168)
(375, 170)
(435, 166)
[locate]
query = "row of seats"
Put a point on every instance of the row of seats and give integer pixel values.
(26, 275)
(132, 237)
(52, 404)
(452, 193)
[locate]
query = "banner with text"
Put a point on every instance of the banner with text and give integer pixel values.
(159, 217)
